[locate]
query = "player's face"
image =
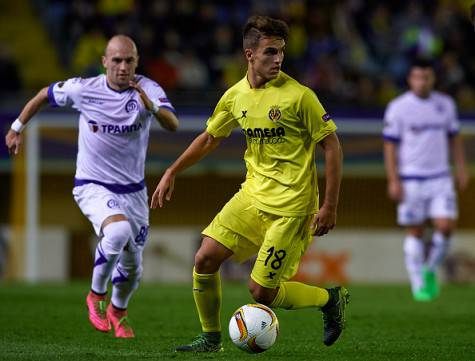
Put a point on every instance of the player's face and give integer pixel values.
(120, 63)
(421, 81)
(266, 59)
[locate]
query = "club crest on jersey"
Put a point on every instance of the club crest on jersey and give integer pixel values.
(112, 203)
(274, 113)
(93, 126)
(131, 106)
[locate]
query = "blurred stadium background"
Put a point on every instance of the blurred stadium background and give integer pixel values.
(353, 53)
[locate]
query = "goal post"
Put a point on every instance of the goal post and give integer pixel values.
(23, 260)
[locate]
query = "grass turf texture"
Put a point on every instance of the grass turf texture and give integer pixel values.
(49, 322)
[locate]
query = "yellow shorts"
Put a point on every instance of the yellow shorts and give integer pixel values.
(278, 241)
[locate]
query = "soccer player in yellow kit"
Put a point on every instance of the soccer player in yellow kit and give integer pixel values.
(275, 213)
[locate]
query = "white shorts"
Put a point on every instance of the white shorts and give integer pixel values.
(427, 199)
(97, 203)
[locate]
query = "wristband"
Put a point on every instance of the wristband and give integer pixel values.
(155, 108)
(17, 125)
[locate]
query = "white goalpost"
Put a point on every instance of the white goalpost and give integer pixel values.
(31, 206)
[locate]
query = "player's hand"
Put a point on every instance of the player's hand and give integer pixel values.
(145, 99)
(164, 190)
(324, 220)
(395, 190)
(13, 141)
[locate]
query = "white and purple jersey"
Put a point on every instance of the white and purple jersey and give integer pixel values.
(113, 129)
(421, 128)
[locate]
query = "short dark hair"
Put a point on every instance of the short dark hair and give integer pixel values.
(422, 63)
(261, 26)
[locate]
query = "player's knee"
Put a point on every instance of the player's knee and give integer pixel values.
(116, 236)
(417, 232)
(445, 229)
(206, 262)
(262, 295)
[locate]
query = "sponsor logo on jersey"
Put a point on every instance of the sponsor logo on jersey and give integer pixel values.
(114, 129)
(93, 126)
(94, 100)
(265, 135)
(131, 106)
(425, 127)
(121, 129)
(275, 113)
(326, 117)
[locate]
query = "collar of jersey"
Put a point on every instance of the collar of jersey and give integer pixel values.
(114, 90)
(268, 84)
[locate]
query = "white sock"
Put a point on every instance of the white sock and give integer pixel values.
(414, 258)
(438, 251)
(126, 278)
(116, 236)
(103, 266)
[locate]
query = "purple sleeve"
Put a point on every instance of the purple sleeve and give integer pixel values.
(51, 99)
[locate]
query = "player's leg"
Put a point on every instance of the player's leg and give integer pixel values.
(207, 295)
(127, 272)
(222, 238)
(104, 211)
(443, 212)
(412, 214)
(286, 240)
(116, 231)
(441, 240)
(125, 280)
(414, 255)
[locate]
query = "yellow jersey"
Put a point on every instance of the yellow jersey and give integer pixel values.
(282, 122)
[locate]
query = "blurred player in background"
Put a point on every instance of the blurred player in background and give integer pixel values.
(275, 214)
(116, 111)
(421, 131)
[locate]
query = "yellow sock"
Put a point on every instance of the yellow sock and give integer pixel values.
(207, 295)
(295, 295)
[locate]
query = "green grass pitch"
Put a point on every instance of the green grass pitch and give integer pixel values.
(49, 322)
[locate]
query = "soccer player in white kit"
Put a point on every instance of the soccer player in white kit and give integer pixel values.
(421, 131)
(116, 111)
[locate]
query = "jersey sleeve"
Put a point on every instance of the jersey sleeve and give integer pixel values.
(65, 93)
(222, 122)
(156, 93)
(316, 120)
(391, 127)
(454, 123)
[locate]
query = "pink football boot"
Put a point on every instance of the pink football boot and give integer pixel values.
(96, 304)
(120, 322)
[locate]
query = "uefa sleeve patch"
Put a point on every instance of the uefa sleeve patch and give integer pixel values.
(326, 117)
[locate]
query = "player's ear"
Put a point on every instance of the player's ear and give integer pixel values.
(249, 54)
(104, 61)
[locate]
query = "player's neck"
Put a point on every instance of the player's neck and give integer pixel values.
(255, 81)
(117, 87)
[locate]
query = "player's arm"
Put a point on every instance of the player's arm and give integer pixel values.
(458, 156)
(325, 219)
(13, 139)
(165, 117)
(198, 149)
(390, 165)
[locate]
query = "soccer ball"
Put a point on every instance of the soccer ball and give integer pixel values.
(253, 328)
